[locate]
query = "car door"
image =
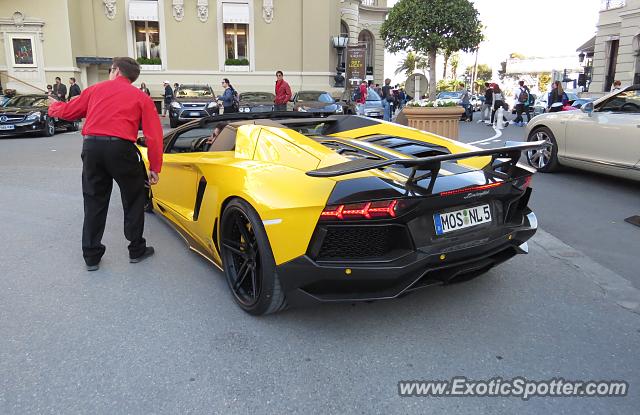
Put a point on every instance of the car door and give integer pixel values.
(608, 136)
(177, 188)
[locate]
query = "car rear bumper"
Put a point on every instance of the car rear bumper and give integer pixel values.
(308, 281)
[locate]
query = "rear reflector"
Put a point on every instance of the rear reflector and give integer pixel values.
(471, 189)
(363, 210)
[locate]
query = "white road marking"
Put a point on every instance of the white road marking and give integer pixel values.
(497, 135)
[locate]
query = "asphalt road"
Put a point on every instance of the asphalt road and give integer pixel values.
(164, 336)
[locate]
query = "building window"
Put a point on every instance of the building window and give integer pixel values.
(366, 39)
(236, 41)
(147, 39)
(611, 4)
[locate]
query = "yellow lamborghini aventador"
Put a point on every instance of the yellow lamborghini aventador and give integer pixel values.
(298, 208)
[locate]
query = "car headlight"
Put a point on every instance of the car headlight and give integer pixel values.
(34, 116)
(175, 105)
(339, 110)
(245, 109)
(212, 104)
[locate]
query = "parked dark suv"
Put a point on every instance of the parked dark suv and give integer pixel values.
(191, 102)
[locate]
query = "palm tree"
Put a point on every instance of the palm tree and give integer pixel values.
(411, 63)
(455, 61)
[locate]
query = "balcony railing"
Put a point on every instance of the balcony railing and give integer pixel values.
(611, 4)
(374, 3)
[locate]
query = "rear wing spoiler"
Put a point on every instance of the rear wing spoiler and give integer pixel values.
(508, 157)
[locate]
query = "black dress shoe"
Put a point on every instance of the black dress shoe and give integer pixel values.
(93, 267)
(148, 251)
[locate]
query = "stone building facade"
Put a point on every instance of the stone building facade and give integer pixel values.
(186, 41)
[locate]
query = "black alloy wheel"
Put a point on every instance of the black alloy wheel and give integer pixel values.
(49, 127)
(248, 262)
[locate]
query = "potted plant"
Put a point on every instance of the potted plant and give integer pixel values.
(150, 64)
(436, 117)
(236, 65)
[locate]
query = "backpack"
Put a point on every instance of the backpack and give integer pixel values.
(524, 96)
(236, 100)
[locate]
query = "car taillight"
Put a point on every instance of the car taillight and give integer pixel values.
(362, 210)
(471, 189)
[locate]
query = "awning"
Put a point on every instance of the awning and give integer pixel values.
(143, 10)
(589, 46)
(235, 12)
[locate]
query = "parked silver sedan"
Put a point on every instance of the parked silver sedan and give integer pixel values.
(602, 136)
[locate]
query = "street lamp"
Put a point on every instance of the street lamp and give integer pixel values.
(339, 42)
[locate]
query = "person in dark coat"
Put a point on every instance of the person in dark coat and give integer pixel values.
(74, 89)
(168, 97)
(60, 90)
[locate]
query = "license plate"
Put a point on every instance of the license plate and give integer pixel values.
(374, 114)
(7, 127)
(194, 114)
(460, 219)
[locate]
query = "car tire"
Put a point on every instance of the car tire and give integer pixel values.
(49, 127)
(546, 159)
(74, 126)
(173, 123)
(248, 261)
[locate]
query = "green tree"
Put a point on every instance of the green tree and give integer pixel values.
(543, 81)
(412, 62)
(484, 72)
(454, 63)
(426, 26)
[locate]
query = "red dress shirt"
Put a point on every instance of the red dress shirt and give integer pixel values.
(363, 94)
(115, 108)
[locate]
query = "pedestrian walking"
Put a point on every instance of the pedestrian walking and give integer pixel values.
(143, 88)
(387, 99)
(498, 102)
(168, 97)
(229, 97)
(113, 110)
(487, 105)
(361, 97)
(465, 101)
(522, 100)
(49, 90)
(74, 89)
(557, 97)
(283, 93)
(60, 90)
(175, 89)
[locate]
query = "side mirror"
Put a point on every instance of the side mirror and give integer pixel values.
(588, 108)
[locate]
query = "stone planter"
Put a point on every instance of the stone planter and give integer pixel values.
(441, 121)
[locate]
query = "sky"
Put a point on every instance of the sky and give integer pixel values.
(504, 20)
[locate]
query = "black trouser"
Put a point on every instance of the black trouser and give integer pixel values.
(520, 108)
(280, 107)
(105, 159)
(229, 110)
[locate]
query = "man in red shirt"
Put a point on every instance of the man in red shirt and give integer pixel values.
(283, 93)
(361, 98)
(113, 110)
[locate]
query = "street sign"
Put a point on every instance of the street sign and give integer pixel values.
(416, 85)
(355, 64)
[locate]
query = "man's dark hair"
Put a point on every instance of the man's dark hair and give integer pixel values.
(72, 79)
(487, 85)
(49, 86)
(279, 73)
(461, 84)
(58, 78)
(129, 68)
(521, 83)
(370, 82)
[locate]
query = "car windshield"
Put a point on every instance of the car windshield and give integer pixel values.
(450, 95)
(315, 96)
(257, 97)
(28, 101)
(372, 95)
(194, 91)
